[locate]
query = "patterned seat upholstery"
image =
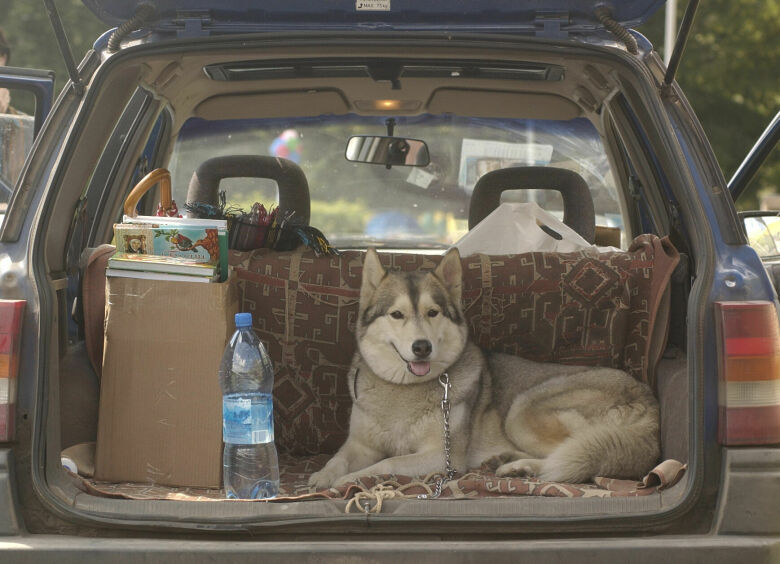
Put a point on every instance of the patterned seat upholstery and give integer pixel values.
(603, 309)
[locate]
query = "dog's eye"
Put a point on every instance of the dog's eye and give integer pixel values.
(396, 314)
(433, 312)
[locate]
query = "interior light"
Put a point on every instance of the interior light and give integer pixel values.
(388, 105)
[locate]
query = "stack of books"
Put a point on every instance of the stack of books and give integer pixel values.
(176, 249)
(130, 265)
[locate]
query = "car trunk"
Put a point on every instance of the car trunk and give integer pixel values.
(570, 505)
(598, 83)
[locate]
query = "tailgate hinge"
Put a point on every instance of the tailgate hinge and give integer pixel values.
(192, 23)
(551, 24)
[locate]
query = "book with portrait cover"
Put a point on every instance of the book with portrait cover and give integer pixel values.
(206, 243)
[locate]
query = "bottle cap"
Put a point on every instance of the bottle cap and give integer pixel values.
(69, 464)
(243, 320)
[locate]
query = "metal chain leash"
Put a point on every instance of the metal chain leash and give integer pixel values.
(444, 380)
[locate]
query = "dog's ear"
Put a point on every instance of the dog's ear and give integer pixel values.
(373, 273)
(450, 272)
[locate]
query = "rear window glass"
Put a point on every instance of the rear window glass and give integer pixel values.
(359, 204)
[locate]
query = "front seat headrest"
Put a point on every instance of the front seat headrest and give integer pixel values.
(293, 187)
(578, 212)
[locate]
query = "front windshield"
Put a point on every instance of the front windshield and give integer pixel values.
(359, 204)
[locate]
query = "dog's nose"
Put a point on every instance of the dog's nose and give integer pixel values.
(421, 348)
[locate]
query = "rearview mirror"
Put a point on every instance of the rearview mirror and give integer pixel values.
(387, 151)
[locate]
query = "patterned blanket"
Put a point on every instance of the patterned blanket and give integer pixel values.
(479, 483)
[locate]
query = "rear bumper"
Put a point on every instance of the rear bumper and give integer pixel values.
(678, 549)
(749, 503)
(745, 528)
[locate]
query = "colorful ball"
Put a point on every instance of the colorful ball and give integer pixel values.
(287, 146)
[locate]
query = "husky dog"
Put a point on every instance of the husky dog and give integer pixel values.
(557, 422)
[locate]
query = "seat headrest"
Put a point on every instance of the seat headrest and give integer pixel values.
(293, 187)
(578, 211)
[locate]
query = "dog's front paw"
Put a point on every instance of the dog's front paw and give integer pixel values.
(521, 467)
(347, 479)
(321, 480)
(494, 462)
(327, 477)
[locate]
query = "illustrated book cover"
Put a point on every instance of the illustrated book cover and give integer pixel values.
(207, 243)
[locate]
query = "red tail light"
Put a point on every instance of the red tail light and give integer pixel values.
(749, 366)
(11, 312)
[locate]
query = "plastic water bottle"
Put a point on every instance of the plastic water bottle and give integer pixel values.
(250, 465)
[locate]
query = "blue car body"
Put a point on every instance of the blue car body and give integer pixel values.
(724, 510)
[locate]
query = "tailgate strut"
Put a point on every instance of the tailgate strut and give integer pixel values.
(62, 42)
(679, 45)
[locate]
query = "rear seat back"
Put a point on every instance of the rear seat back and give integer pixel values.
(93, 303)
(608, 309)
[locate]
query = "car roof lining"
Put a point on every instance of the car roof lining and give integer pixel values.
(470, 102)
(185, 86)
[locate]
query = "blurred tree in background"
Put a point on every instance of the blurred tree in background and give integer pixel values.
(730, 70)
(33, 45)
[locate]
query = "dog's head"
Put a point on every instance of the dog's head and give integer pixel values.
(411, 326)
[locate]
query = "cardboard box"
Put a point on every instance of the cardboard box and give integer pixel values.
(160, 418)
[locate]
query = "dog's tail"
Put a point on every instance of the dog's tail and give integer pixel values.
(622, 445)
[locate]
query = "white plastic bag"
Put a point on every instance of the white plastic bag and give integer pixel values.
(514, 228)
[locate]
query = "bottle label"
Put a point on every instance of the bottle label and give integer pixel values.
(247, 419)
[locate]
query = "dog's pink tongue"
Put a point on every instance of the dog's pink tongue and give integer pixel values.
(420, 368)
